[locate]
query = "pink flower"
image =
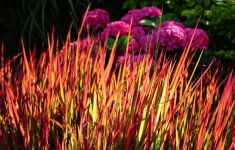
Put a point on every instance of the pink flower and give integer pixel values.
(149, 42)
(96, 19)
(114, 28)
(136, 15)
(170, 23)
(83, 45)
(137, 32)
(171, 35)
(134, 46)
(151, 12)
(200, 39)
(133, 60)
(130, 57)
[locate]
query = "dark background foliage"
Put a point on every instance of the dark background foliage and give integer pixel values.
(32, 20)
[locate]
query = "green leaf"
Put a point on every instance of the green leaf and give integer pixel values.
(229, 35)
(167, 16)
(206, 3)
(110, 42)
(220, 2)
(190, 3)
(208, 13)
(122, 42)
(147, 22)
(189, 13)
(233, 41)
(190, 23)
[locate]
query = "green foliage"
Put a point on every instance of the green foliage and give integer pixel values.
(226, 54)
(121, 43)
(32, 20)
(222, 54)
(148, 22)
(153, 22)
(217, 17)
(45, 15)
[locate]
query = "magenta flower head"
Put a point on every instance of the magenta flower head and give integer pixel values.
(84, 45)
(137, 32)
(138, 14)
(151, 12)
(200, 39)
(171, 35)
(134, 60)
(149, 41)
(169, 23)
(135, 14)
(134, 46)
(114, 28)
(97, 18)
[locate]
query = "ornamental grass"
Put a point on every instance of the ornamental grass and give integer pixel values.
(83, 99)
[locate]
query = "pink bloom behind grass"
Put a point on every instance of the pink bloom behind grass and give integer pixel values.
(114, 28)
(200, 39)
(96, 19)
(83, 45)
(138, 14)
(135, 14)
(137, 32)
(151, 12)
(134, 46)
(149, 41)
(171, 35)
(170, 23)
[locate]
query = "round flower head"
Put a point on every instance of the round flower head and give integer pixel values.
(171, 36)
(132, 61)
(134, 46)
(137, 32)
(200, 39)
(135, 14)
(138, 14)
(135, 58)
(96, 19)
(169, 23)
(83, 45)
(151, 12)
(114, 28)
(149, 41)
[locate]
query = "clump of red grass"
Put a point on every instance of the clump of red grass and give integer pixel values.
(73, 100)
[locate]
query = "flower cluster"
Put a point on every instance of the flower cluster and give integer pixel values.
(82, 47)
(114, 28)
(200, 39)
(148, 42)
(137, 32)
(96, 19)
(138, 14)
(169, 35)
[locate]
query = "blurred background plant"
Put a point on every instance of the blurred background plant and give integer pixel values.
(31, 20)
